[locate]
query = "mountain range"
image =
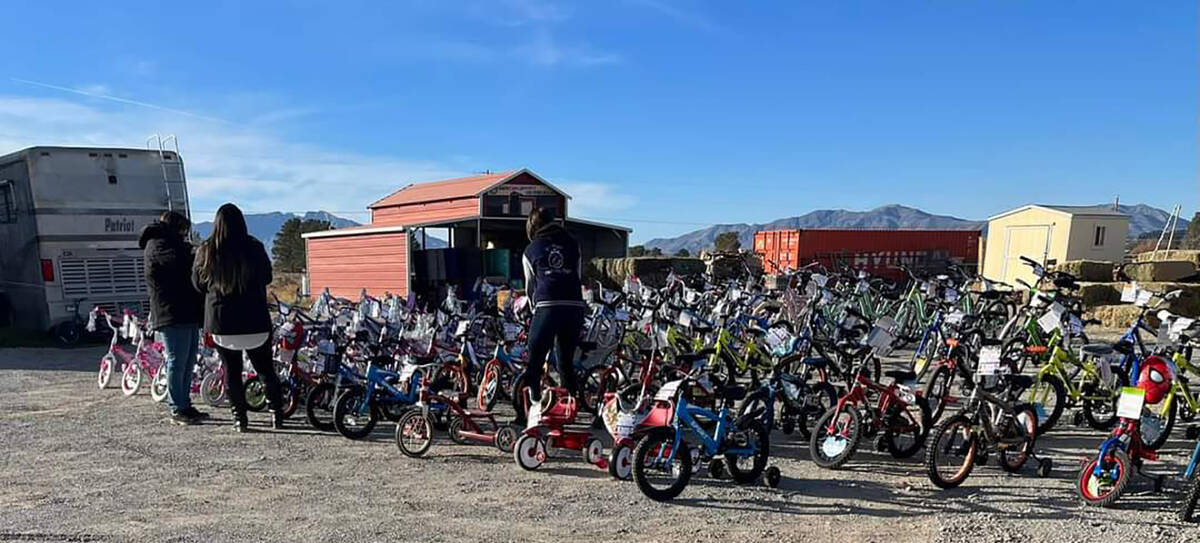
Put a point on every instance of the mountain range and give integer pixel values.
(1143, 220)
(264, 226)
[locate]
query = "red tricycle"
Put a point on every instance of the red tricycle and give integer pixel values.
(546, 428)
(414, 431)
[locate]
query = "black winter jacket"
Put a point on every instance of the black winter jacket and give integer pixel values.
(168, 268)
(553, 268)
(243, 312)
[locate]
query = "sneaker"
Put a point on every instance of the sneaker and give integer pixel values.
(182, 418)
(195, 414)
(534, 416)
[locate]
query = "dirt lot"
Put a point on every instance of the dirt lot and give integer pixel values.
(81, 464)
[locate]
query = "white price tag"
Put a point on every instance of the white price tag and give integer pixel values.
(1129, 406)
(1143, 298)
(685, 318)
(955, 317)
(989, 361)
(881, 338)
(463, 327)
(1129, 293)
(1049, 321)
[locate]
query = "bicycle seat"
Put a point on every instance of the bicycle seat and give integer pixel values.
(816, 362)
(1096, 350)
(1123, 347)
(1020, 382)
(901, 375)
(732, 392)
(688, 358)
(991, 294)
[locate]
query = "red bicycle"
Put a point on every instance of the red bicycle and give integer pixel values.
(899, 417)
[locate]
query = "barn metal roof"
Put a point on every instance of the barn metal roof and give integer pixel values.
(453, 189)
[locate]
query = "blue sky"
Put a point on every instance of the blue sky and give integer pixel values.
(663, 115)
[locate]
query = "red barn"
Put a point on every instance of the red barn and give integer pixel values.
(483, 217)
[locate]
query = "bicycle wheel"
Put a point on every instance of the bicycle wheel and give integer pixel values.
(256, 394)
(821, 397)
(754, 406)
(1048, 397)
(158, 386)
(660, 470)
(1155, 426)
(835, 437)
(1103, 489)
(108, 365)
(907, 429)
(747, 469)
(414, 434)
(351, 417)
(212, 389)
(318, 407)
(1188, 508)
(1101, 414)
(489, 387)
(937, 389)
(131, 378)
(950, 456)
(1021, 425)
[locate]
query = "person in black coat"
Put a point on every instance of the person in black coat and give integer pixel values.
(233, 270)
(175, 308)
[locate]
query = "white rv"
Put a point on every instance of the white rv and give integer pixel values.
(70, 219)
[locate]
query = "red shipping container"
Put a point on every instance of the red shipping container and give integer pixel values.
(878, 252)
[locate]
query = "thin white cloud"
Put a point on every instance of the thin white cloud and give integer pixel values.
(591, 199)
(544, 50)
(93, 94)
(681, 15)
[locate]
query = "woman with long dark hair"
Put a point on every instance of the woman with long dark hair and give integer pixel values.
(233, 271)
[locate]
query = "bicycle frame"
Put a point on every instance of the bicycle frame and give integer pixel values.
(686, 421)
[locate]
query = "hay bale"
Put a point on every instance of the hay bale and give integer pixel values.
(1095, 294)
(1114, 316)
(1159, 270)
(1088, 270)
(1192, 256)
(651, 270)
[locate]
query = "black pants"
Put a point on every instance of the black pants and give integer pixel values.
(556, 327)
(264, 365)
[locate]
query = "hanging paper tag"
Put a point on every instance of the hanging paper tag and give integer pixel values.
(1143, 298)
(1129, 293)
(951, 295)
(462, 328)
(989, 361)
(880, 338)
(955, 317)
(862, 287)
(1129, 406)
(1049, 321)
(1164, 334)
(685, 318)
(1076, 325)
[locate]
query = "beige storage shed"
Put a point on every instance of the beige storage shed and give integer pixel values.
(1051, 234)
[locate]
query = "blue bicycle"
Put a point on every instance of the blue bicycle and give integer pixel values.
(663, 459)
(359, 408)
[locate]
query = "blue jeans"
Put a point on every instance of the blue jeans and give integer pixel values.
(180, 343)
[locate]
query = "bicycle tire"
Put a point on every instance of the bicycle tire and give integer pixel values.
(1089, 406)
(1010, 461)
(1058, 391)
(812, 411)
(935, 445)
(652, 443)
(923, 424)
(1107, 499)
(761, 456)
(347, 404)
(836, 455)
(318, 405)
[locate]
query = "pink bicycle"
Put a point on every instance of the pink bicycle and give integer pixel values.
(133, 352)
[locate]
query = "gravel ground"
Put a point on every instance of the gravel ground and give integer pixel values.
(81, 464)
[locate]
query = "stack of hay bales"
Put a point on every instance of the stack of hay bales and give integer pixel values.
(650, 270)
(1170, 270)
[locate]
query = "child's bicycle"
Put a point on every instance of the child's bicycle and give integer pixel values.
(359, 408)
(547, 428)
(900, 417)
(145, 358)
(414, 431)
(663, 460)
(991, 422)
(1103, 479)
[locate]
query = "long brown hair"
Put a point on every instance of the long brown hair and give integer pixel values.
(539, 218)
(223, 262)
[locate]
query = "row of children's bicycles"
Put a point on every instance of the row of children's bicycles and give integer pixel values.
(696, 375)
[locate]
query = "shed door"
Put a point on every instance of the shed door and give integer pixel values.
(1028, 241)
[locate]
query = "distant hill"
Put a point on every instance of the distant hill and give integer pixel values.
(264, 226)
(1147, 221)
(880, 218)
(1143, 220)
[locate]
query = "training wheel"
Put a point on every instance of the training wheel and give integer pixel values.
(1044, 467)
(620, 462)
(716, 468)
(772, 477)
(506, 438)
